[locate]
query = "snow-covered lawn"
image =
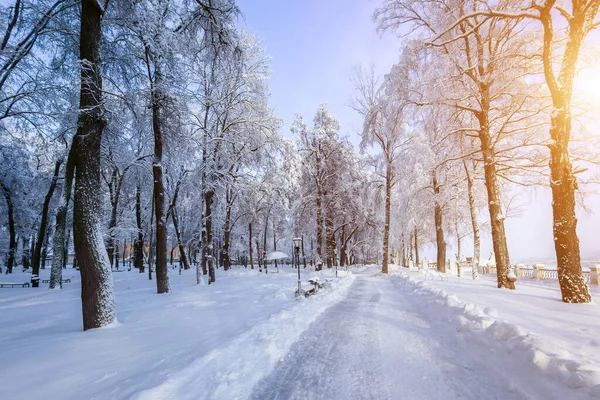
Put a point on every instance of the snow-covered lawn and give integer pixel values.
(532, 323)
(217, 340)
(247, 337)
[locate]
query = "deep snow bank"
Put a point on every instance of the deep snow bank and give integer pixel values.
(483, 327)
(230, 372)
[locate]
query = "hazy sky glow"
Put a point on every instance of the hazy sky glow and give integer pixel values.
(315, 45)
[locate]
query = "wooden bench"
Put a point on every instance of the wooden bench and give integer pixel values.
(12, 285)
(68, 280)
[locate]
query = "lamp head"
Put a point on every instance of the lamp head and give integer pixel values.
(297, 242)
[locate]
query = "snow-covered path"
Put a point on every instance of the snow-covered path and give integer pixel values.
(380, 343)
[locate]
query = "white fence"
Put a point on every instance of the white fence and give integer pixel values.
(538, 271)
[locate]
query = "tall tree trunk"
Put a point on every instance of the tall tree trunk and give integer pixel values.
(386, 228)
(66, 249)
(493, 192)
(26, 253)
(44, 252)
(151, 241)
(250, 245)
(439, 227)
(417, 261)
(112, 225)
(138, 252)
(343, 247)
(319, 228)
(562, 180)
(274, 241)
(329, 239)
(227, 228)
(264, 253)
(258, 253)
(566, 243)
(158, 99)
(97, 294)
(410, 246)
(37, 254)
(125, 254)
(12, 247)
(207, 231)
(403, 251)
(303, 255)
(474, 223)
(182, 255)
(117, 255)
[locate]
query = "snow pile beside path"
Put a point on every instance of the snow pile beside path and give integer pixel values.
(230, 372)
(483, 327)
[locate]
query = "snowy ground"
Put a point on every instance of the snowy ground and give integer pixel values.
(558, 342)
(369, 337)
(199, 341)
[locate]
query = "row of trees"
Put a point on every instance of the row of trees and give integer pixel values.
(462, 120)
(141, 129)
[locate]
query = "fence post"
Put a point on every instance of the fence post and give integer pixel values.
(453, 269)
(519, 270)
(539, 271)
(595, 275)
(425, 265)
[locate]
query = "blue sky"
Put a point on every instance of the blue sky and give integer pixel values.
(315, 45)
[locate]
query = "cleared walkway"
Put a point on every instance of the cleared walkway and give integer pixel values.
(380, 343)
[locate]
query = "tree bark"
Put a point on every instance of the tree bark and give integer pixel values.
(258, 253)
(138, 252)
(403, 252)
(329, 239)
(386, 228)
(319, 228)
(37, 254)
(26, 254)
(182, 255)
(264, 252)
(12, 247)
(158, 99)
(97, 294)
(417, 247)
(250, 245)
(303, 254)
(207, 230)
(66, 249)
(474, 223)
(493, 192)
(439, 227)
(344, 245)
(562, 180)
(227, 228)
(110, 245)
(274, 241)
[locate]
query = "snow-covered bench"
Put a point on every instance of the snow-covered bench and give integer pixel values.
(12, 285)
(68, 280)
(432, 273)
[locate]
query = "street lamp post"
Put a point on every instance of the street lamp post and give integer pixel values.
(297, 242)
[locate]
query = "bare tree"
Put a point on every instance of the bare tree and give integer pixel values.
(383, 125)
